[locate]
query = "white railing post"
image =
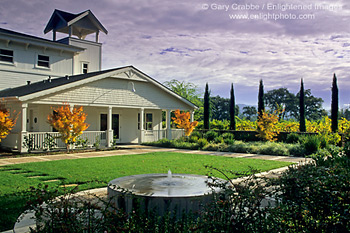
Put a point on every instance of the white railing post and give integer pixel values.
(109, 131)
(168, 123)
(23, 134)
(142, 112)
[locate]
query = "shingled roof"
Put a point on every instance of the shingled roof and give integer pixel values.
(50, 83)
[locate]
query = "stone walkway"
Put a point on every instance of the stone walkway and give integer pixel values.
(138, 149)
(23, 225)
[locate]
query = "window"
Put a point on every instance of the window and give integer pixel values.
(148, 121)
(85, 68)
(43, 61)
(6, 55)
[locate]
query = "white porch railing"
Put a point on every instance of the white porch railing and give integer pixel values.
(155, 135)
(45, 140)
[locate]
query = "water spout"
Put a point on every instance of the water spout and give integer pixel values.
(170, 175)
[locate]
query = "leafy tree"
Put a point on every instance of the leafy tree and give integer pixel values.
(280, 98)
(313, 107)
(261, 104)
(206, 107)
(302, 126)
(334, 105)
(267, 126)
(188, 91)
(345, 113)
(183, 122)
(249, 112)
(232, 109)
(70, 124)
(220, 108)
(6, 121)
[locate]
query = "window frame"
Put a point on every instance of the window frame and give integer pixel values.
(7, 56)
(38, 60)
(83, 68)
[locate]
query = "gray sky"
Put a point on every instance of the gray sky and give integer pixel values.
(203, 41)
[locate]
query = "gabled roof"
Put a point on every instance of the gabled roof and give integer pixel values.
(83, 23)
(49, 86)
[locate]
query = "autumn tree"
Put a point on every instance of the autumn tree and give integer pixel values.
(69, 123)
(267, 126)
(183, 122)
(6, 121)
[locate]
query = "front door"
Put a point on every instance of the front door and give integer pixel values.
(115, 124)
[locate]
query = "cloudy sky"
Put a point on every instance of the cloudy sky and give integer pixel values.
(215, 41)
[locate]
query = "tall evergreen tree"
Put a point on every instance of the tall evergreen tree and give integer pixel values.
(302, 125)
(206, 107)
(232, 109)
(261, 105)
(334, 105)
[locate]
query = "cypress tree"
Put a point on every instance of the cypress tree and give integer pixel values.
(232, 109)
(302, 126)
(334, 105)
(206, 107)
(261, 105)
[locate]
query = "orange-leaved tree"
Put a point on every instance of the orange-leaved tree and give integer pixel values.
(69, 123)
(267, 126)
(6, 121)
(183, 122)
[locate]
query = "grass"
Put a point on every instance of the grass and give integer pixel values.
(15, 179)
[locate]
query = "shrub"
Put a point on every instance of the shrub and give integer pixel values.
(238, 147)
(311, 144)
(297, 149)
(212, 147)
(229, 141)
(219, 139)
(197, 134)
(293, 138)
(193, 139)
(210, 135)
(230, 136)
(273, 149)
(202, 143)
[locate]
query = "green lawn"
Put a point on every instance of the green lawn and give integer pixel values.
(16, 178)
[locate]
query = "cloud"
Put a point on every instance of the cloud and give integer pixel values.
(183, 40)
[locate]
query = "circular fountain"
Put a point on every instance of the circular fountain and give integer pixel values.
(161, 193)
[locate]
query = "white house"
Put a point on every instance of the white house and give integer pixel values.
(36, 74)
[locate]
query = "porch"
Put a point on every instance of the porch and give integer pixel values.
(47, 141)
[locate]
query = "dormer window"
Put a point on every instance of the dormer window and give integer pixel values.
(6, 55)
(43, 61)
(85, 68)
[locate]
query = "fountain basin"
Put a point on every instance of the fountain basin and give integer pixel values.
(161, 193)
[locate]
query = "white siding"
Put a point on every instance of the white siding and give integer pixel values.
(118, 92)
(25, 69)
(92, 55)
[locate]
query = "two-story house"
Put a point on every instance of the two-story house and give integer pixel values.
(123, 104)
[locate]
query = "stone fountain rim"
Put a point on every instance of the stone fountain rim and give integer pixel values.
(209, 192)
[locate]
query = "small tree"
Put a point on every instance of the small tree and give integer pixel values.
(6, 121)
(302, 126)
(183, 122)
(70, 124)
(261, 105)
(206, 107)
(267, 126)
(334, 105)
(232, 109)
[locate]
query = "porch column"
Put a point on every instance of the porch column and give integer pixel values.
(109, 130)
(23, 134)
(142, 113)
(192, 116)
(168, 123)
